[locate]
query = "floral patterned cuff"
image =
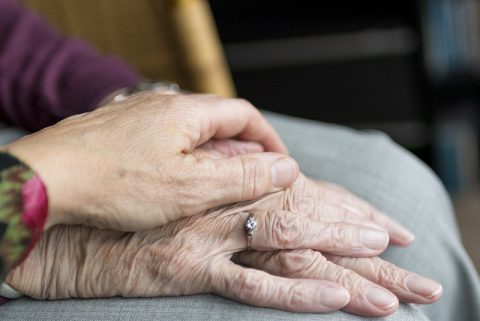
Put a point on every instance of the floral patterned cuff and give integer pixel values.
(23, 211)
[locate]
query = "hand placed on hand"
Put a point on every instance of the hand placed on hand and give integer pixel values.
(309, 255)
(322, 201)
(128, 166)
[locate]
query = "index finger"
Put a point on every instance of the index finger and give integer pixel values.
(236, 118)
(338, 196)
(258, 288)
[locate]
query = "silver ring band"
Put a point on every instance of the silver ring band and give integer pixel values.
(250, 225)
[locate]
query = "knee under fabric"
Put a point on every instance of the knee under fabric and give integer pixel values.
(369, 165)
(372, 166)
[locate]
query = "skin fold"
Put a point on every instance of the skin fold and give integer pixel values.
(309, 254)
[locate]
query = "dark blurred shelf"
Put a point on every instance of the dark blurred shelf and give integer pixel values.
(345, 92)
(455, 88)
(248, 20)
(352, 63)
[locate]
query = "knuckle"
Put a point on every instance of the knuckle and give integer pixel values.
(254, 178)
(287, 229)
(299, 296)
(248, 287)
(297, 263)
(345, 277)
(348, 279)
(340, 236)
(388, 274)
(297, 201)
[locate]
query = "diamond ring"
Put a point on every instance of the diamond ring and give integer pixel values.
(250, 225)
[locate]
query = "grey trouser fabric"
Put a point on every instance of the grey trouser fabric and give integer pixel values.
(370, 165)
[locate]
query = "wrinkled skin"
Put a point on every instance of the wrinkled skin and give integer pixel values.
(305, 252)
(139, 149)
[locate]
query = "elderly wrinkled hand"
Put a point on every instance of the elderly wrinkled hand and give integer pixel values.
(327, 202)
(319, 200)
(305, 259)
(128, 166)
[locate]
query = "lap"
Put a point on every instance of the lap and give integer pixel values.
(373, 167)
(196, 307)
(369, 165)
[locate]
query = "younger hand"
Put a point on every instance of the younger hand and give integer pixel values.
(128, 166)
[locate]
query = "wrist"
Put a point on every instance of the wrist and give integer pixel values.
(50, 263)
(162, 87)
(26, 278)
(48, 180)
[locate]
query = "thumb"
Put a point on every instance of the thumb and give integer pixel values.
(245, 177)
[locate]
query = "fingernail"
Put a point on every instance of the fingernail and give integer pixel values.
(399, 231)
(423, 286)
(374, 239)
(334, 298)
(284, 172)
(380, 298)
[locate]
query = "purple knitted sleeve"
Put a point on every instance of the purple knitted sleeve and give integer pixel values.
(45, 76)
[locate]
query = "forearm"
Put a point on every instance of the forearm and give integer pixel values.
(45, 77)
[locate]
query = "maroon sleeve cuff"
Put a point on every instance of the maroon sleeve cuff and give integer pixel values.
(78, 79)
(45, 76)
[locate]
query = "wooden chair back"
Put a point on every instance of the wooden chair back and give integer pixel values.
(173, 40)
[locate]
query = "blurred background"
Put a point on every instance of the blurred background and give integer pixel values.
(408, 68)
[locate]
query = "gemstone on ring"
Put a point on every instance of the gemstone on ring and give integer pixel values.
(250, 225)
